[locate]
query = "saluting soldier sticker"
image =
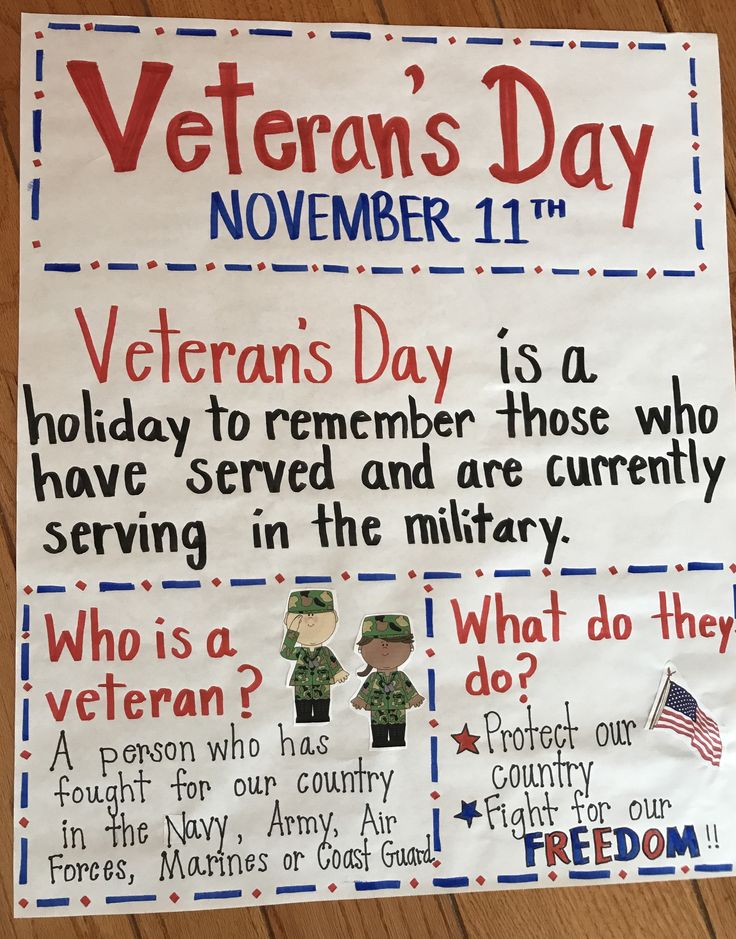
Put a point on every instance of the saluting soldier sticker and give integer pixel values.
(311, 620)
(386, 642)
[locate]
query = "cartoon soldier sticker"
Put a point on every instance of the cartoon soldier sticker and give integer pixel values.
(310, 621)
(386, 643)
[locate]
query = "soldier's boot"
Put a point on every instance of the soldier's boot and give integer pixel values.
(321, 710)
(396, 735)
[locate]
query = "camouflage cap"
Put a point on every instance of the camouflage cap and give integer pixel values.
(311, 601)
(386, 626)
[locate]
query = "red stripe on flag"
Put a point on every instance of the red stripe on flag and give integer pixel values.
(703, 732)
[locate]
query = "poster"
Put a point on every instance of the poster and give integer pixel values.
(376, 463)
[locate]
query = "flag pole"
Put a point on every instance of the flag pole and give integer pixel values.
(664, 687)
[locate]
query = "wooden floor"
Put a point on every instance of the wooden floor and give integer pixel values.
(690, 910)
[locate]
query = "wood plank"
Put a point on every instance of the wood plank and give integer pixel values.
(409, 916)
(657, 911)
(247, 922)
(651, 910)
(719, 899)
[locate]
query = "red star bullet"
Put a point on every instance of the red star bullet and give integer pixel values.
(465, 740)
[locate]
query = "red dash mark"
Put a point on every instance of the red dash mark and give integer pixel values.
(234, 32)
(416, 73)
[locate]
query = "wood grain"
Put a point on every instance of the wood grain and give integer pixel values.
(696, 910)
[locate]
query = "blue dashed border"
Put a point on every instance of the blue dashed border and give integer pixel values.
(319, 30)
(360, 886)
(430, 577)
(361, 36)
(179, 267)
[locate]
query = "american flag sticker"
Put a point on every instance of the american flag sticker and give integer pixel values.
(676, 709)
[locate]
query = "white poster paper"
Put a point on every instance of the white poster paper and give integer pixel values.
(376, 463)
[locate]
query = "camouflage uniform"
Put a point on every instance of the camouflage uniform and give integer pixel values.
(387, 694)
(315, 668)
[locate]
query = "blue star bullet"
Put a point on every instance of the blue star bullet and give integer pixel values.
(469, 811)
